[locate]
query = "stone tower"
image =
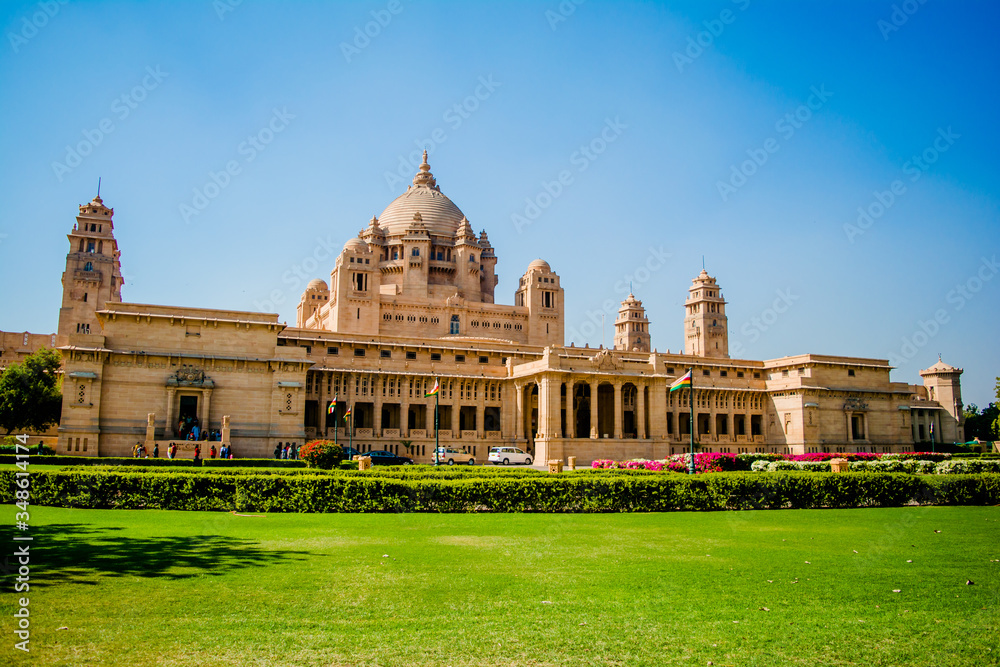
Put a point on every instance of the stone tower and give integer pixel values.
(632, 327)
(93, 273)
(944, 385)
(706, 328)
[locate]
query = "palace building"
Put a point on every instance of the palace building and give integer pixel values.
(410, 300)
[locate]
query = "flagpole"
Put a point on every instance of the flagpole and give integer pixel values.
(350, 442)
(437, 401)
(691, 466)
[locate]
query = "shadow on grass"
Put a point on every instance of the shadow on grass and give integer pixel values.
(68, 553)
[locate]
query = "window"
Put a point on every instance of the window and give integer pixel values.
(410, 356)
(309, 349)
(547, 300)
(85, 297)
(484, 360)
(724, 373)
(706, 372)
(89, 266)
(90, 246)
(435, 356)
(784, 373)
(385, 354)
(454, 324)
(850, 372)
(333, 350)
(359, 352)
(670, 370)
(756, 376)
(460, 358)
(739, 374)
(416, 252)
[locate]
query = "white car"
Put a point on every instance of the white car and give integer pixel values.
(508, 455)
(451, 456)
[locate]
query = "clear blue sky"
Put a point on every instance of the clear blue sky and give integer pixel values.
(676, 122)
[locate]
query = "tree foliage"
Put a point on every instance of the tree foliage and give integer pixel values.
(30, 396)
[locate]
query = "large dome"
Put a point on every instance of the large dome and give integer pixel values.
(439, 214)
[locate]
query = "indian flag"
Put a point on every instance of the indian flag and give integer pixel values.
(434, 391)
(333, 407)
(347, 414)
(682, 382)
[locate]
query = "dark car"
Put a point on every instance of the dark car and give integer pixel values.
(350, 453)
(384, 458)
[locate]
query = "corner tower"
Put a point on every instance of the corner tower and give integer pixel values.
(632, 327)
(706, 328)
(93, 273)
(944, 385)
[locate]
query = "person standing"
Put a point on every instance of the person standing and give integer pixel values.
(156, 450)
(277, 451)
(211, 452)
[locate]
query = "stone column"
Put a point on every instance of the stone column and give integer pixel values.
(640, 410)
(850, 433)
(320, 377)
(225, 429)
(206, 418)
(377, 385)
(570, 409)
(480, 408)
(169, 431)
(456, 408)
(593, 409)
(518, 410)
(404, 406)
(618, 410)
(150, 430)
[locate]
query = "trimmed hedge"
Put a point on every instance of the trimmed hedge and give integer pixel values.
(342, 492)
(63, 460)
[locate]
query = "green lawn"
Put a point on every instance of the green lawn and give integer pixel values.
(734, 588)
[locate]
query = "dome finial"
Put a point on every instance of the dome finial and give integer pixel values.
(424, 176)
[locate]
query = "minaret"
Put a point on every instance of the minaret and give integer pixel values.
(706, 328)
(632, 327)
(93, 273)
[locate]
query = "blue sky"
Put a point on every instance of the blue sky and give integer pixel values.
(747, 132)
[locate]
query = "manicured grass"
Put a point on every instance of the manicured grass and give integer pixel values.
(734, 588)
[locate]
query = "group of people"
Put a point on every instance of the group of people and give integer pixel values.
(289, 451)
(139, 451)
(189, 428)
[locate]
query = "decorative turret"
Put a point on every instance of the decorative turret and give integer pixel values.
(706, 327)
(944, 385)
(424, 176)
(631, 326)
(93, 273)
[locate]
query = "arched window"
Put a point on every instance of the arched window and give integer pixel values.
(89, 266)
(416, 252)
(454, 324)
(472, 258)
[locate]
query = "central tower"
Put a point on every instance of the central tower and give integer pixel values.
(706, 328)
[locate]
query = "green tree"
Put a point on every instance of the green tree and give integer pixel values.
(30, 395)
(996, 422)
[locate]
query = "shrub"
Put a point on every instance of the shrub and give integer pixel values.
(606, 491)
(917, 456)
(321, 454)
(967, 466)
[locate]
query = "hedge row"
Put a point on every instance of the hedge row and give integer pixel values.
(62, 460)
(556, 493)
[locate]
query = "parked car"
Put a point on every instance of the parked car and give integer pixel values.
(350, 453)
(508, 455)
(384, 458)
(451, 456)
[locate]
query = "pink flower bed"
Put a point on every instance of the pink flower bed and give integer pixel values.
(715, 462)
